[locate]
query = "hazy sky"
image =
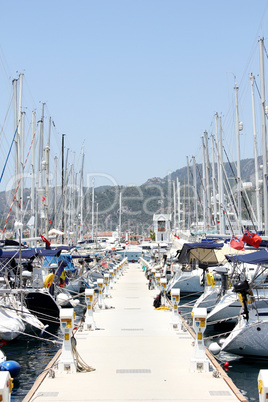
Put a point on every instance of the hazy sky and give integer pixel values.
(136, 81)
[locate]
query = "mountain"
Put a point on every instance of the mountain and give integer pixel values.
(139, 203)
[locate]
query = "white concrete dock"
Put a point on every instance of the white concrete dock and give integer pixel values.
(137, 356)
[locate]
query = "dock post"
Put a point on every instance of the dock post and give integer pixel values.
(157, 279)
(175, 299)
(115, 270)
(263, 385)
(153, 282)
(199, 363)
(111, 272)
(66, 360)
(100, 296)
(89, 323)
(6, 385)
(163, 283)
(106, 285)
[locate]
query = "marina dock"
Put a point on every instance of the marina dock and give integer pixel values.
(137, 356)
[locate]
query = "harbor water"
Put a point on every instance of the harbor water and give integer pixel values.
(33, 355)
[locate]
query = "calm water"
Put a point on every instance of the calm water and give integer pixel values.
(34, 355)
(243, 372)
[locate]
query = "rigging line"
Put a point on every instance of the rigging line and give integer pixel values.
(4, 168)
(257, 88)
(8, 109)
(12, 203)
(242, 195)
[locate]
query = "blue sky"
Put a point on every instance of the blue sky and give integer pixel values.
(136, 81)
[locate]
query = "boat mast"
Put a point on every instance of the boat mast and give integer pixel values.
(20, 150)
(207, 173)
(33, 178)
(188, 193)
(179, 203)
(47, 191)
(204, 184)
(92, 233)
(214, 219)
(220, 174)
(174, 201)
(47, 150)
(55, 191)
(195, 195)
(62, 186)
(15, 96)
(120, 215)
(81, 195)
(239, 187)
(264, 139)
(257, 185)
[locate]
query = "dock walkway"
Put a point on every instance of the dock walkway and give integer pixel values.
(137, 356)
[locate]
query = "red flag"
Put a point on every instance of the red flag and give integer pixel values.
(177, 237)
(236, 243)
(104, 264)
(251, 238)
(45, 240)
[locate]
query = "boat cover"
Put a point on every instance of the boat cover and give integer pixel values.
(203, 252)
(257, 257)
(25, 254)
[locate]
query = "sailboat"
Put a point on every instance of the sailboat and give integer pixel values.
(249, 336)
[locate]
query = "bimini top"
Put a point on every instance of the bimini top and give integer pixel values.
(203, 252)
(257, 257)
(28, 253)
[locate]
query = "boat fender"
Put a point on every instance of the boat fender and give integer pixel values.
(11, 366)
(48, 281)
(210, 279)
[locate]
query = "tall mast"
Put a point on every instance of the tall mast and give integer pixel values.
(66, 177)
(55, 191)
(188, 192)
(257, 185)
(213, 183)
(62, 186)
(239, 188)
(179, 203)
(47, 150)
(81, 196)
(207, 173)
(195, 194)
(47, 191)
(120, 215)
(33, 178)
(174, 200)
(20, 148)
(92, 234)
(220, 174)
(204, 185)
(264, 139)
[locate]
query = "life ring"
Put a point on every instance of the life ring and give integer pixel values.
(48, 281)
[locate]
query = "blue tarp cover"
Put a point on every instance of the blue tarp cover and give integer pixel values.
(257, 257)
(203, 244)
(29, 253)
